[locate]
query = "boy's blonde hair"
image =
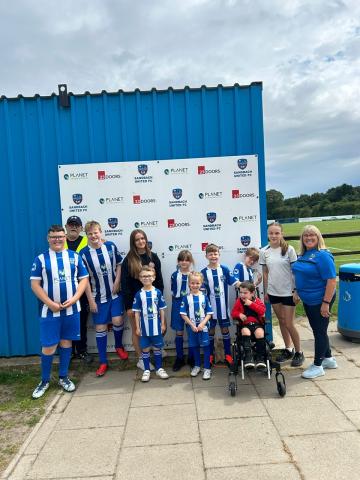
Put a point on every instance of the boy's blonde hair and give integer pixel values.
(92, 224)
(253, 253)
(211, 248)
(196, 274)
(312, 229)
(147, 268)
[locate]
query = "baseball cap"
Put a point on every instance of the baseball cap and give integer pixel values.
(74, 219)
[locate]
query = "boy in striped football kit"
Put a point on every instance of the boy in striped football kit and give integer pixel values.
(217, 279)
(58, 279)
(149, 307)
(103, 261)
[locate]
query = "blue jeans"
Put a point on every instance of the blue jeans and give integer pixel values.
(319, 325)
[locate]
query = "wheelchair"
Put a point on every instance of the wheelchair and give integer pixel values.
(238, 354)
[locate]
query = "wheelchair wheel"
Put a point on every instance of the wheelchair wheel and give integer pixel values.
(232, 389)
(280, 384)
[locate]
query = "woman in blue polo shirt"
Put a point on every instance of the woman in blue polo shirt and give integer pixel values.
(315, 279)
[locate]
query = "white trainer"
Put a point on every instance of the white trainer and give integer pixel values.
(329, 362)
(40, 389)
(195, 371)
(145, 376)
(313, 371)
(162, 374)
(207, 374)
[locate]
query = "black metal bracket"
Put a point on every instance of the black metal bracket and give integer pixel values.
(64, 99)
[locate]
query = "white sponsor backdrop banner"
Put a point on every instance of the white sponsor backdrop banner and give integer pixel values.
(180, 204)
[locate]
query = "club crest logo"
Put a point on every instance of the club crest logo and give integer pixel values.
(242, 163)
(177, 193)
(77, 198)
(113, 222)
(211, 217)
(66, 176)
(142, 169)
(245, 240)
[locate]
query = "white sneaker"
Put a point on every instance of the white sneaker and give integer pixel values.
(140, 364)
(329, 362)
(67, 384)
(207, 374)
(195, 371)
(162, 374)
(40, 389)
(145, 376)
(313, 371)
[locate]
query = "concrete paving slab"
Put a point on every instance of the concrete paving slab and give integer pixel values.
(163, 392)
(38, 441)
(217, 435)
(345, 393)
(219, 378)
(175, 462)
(322, 457)
(112, 382)
(214, 403)
(306, 415)
(282, 471)
(304, 331)
(354, 416)
(295, 385)
(22, 467)
(101, 477)
(83, 453)
(168, 424)
(96, 411)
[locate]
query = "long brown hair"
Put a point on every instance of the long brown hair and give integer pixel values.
(134, 260)
(283, 243)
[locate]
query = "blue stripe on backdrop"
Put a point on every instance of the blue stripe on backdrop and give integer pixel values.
(36, 135)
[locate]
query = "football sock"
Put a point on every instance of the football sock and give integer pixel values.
(46, 363)
(118, 334)
(101, 342)
(64, 361)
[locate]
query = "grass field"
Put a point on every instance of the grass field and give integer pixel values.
(334, 244)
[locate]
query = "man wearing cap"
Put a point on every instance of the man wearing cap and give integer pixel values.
(75, 242)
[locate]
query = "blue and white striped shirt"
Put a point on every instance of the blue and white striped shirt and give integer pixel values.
(58, 273)
(101, 263)
(216, 282)
(179, 284)
(241, 272)
(196, 307)
(149, 303)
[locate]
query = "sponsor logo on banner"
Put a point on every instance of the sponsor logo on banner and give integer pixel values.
(238, 194)
(111, 200)
(241, 168)
(245, 240)
(176, 171)
(245, 218)
(205, 244)
(137, 200)
(177, 193)
(143, 178)
(103, 176)
(211, 225)
(172, 224)
(76, 176)
(146, 224)
(202, 170)
(210, 195)
(179, 247)
(79, 207)
(113, 222)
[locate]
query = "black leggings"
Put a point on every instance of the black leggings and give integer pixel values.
(319, 325)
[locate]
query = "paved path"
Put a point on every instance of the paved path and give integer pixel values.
(118, 428)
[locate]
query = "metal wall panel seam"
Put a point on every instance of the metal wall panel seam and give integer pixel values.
(221, 119)
(106, 126)
(43, 159)
(238, 136)
(57, 131)
(156, 122)
(204, 121)
(90, 128)
(139, 125)
(73, 130)
(188, 124)
(171, 120)
(123, 127)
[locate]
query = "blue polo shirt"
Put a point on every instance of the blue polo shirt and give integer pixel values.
(312, 271)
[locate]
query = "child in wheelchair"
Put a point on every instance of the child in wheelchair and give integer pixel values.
(249, 312)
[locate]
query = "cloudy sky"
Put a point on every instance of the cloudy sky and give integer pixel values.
(306, 53)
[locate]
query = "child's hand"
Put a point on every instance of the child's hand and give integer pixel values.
(137, 331)
(247, 302)
(194, 328)
(266, 298)
(296, 298)
(93, 306)
(201, 327)
(163, 328)
(243, 317)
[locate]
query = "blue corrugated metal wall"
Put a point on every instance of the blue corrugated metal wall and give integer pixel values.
(36, 134)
